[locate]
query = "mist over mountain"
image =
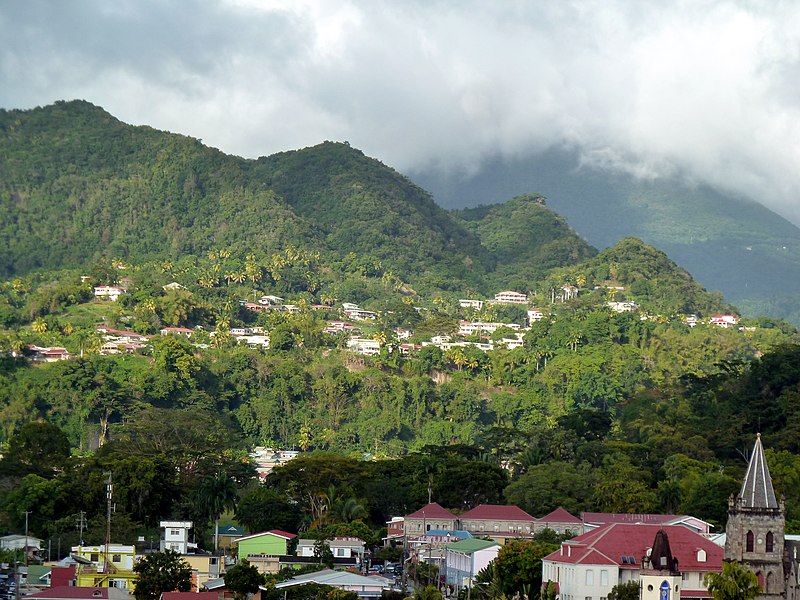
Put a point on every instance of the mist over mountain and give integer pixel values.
(730, 244)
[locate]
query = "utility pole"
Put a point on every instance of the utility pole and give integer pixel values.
(109, 490)
(81, 525)
(27, 512)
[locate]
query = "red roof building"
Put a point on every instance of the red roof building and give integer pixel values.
(498, 521)
(71, 592)
(430, 516)
(693, 523)
(589, 565)
(560, 521)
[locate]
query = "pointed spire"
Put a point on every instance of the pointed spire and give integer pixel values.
(661, 555)
(757, 490)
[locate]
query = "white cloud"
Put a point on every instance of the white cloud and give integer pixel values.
(707, 88)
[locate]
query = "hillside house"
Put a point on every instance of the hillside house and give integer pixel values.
(177, 331)
(534, 314)
(267, 300)
(725, 321)
(364, 346)
(466, 328)
(48, 354)
(109, 292)
(623, 307)
(560, 521)
(473, 304)
(510, 297)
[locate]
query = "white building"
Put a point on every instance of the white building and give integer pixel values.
(364, 346)
(510, 297)
(176, 536)
(467, 303)
(111, 292)
(589, 565)
(341, 547)
(466, 558)
(478, 327)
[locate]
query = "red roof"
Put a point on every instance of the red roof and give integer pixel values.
(611, 542)
(431, 511)
(498, 512)
(72, 591)
(560, 515)
(276, 532)
(190, 596)
(631, 518)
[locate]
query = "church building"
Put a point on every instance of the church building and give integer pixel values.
(755, 532)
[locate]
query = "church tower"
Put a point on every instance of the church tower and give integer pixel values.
(660, 578)
(754, 533)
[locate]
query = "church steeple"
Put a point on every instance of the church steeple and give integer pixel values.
(757, 490)
(755, 528)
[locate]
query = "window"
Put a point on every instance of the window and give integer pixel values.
(770, 541)
(749, 542)
(94, 557)
(340, 552)
(701, 556)
(603, 578)
(175, 532)
(116, 558)
(589, 577)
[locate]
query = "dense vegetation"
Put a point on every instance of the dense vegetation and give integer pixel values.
(632, 411)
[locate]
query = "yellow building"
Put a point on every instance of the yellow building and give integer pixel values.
(99, 566)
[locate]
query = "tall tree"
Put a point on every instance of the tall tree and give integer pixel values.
(161, 572)
(216, 494)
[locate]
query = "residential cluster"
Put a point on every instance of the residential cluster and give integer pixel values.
(668, 554)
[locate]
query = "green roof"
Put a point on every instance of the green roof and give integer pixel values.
(471, 545)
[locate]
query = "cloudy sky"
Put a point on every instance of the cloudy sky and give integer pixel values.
(707, 89)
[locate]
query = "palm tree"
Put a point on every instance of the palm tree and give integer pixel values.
(216, 494)
(39, 325)
(734, 583)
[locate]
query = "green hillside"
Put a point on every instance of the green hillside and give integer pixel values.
(77, 185)
(730, 244)
(526, 238)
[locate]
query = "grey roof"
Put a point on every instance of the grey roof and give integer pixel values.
(757, 490)
(336, 579)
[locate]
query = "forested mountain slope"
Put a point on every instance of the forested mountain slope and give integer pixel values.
(77, 186)
(730, 244)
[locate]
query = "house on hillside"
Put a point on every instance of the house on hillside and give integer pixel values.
(109, 292)
(177, 331)
(48, 354)
(473, 304)
(510, 297)
(725, 321)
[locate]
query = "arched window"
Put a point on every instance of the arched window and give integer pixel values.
(770, 582)
(749, 546)
(770, 541)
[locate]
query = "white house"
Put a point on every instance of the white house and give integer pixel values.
(466, 558)
(18, 542)
(534, 314)
(510, 297)
(467, 303)
(176, 536)
(364, 346)
(364, 587)
(270, 300)
(622, 307)
(341, 547)
(725, 320)
(477, 327)
(111, 292)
